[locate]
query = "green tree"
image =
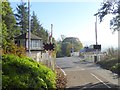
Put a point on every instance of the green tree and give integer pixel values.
(110, 7)
(70, 42)
(68, 49)
(58, 48)
(8, 25)
(8, 19)
(22, 17)
(35, 26)
(43, 34)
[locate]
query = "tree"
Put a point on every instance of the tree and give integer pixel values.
(22, 17)
(58, 48)
(35, 26)
(111, 7)
(8, 19)
(8, 25)
(70, 42)
(63, 37)
(68, 49)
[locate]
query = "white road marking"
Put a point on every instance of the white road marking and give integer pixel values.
(82, 69)
(100, 80)
(63, 71)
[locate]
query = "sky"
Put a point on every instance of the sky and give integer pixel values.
(73, 19)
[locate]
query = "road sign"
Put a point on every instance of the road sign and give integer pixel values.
(48, 46)
(97, 47)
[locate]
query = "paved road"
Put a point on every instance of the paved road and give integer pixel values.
(84, 74)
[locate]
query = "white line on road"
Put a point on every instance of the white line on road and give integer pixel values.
(100, 80)
(62, 70)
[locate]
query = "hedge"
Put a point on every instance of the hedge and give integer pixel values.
(26, 73)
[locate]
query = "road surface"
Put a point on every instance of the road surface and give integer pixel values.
(86, 74)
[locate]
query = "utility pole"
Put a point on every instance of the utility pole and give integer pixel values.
(96, 30)
(29, 28)
(96, 56)
(51, 32)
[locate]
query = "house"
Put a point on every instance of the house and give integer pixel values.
(36, 44)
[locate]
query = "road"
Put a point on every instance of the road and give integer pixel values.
(86, 74)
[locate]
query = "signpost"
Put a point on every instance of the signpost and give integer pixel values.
(48, 46)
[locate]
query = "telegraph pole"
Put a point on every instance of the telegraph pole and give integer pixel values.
(51, 32)
(96, 30)
(96, 40)
(29, 28)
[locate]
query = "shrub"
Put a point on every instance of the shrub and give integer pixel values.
(12, 48)
(107, 64)
(116, 68)
(26, 73)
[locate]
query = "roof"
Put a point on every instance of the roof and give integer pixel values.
(25, 36)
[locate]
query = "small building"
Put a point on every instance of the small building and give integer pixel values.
(91, 53)
(36, 44)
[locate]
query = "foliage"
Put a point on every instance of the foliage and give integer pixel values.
(107, 64)
(11, 48)
(35, 27)
(58, 49)
(8, 23)
(68, 49)
(111, 61)
(26, 73)
(9, 29)
(111, 7)
(22, 17)
(116, 68)
(8, 18)
(112, 53)
(43, 34)
(69, 43)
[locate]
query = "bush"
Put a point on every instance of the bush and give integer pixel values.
(12, 48)
(107, 64)
(112, 65)
(116, 68)
(26, 73)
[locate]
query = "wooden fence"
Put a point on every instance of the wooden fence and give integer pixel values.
(47, 58)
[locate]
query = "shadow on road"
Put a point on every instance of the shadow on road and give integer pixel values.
(97, 86)
(82, 62)
(65, 67)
